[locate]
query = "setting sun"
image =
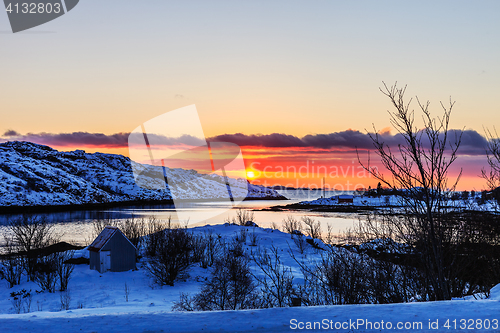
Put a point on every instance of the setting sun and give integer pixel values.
(250, 174)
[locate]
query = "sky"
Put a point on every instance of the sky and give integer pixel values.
(300, 69)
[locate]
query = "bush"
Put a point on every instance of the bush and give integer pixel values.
(11, 265)
(155, 231)
(230, 287)
(206, 248)
(21, 300)
(65, 298)
(254, 239)
(242, 236)
(242, 217)
(29, 235)
(64, 269)
(134, 229)
(300, 242)
(344, 277)
(46, 272)
(172, 256)
(291, 225)
(277, 279)
(313, 227)
(99, 224)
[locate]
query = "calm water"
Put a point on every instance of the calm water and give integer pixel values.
(76, 227)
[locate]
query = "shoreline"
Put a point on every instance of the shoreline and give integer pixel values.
(323, 208)
(6, 210)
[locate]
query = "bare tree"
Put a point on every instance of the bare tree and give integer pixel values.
(206, 248)
(172, 257)
(242, 217)
(30, 234)
(64, 269)
(313, 227)
(155, 234)
(11, 265)
(134, 229)
(492, 176)
(230, 286)
(99, 224)
(419, 168)
(276, 280)
(292, 225)
(46, 272)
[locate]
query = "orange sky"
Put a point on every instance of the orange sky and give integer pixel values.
(304, 167)
(254, 67)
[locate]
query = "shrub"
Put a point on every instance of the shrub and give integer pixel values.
(172, 257)
(11, 265)
(242, 217)
(276, 280)
(134, 229)
(30, 234)
(155, 231)
(254, 239)
(300, 242)
(313, 227)
(64, 269)
(46, 272)
(206, 248)
(242, 236)
(65, 298)
(291, 225)
(230, 287)
(21, 300)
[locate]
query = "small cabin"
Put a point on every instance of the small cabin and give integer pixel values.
(345, 198)
(112, 251)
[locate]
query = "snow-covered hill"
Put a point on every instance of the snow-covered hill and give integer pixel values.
(37, 175)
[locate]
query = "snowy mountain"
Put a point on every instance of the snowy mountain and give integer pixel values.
(37, 175)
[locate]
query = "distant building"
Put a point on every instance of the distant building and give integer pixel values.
(345, 198)
(112, 251)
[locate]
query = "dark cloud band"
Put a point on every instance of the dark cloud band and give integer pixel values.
(472, 143)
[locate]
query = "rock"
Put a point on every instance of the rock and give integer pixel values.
(250, 224)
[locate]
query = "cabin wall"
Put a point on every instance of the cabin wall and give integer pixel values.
(123, 253)
(94, 261)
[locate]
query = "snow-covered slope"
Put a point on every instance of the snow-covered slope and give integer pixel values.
(98, 304)
(446, 316)
(33, 175)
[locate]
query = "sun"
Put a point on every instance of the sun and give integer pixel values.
(250, 174)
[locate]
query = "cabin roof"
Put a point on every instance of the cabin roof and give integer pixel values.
(103, 238)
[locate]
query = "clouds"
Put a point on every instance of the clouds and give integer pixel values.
(472, 142)
(73, 139)
(275, 140)
(9, 133)
(344, 139)
(85, 139)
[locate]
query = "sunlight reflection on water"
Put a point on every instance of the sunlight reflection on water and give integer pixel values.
(76, 227)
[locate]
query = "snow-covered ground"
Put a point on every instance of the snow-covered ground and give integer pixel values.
(385, 201)
(418, 317)
(98, 304)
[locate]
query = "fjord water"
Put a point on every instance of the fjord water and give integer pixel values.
(76, 226)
